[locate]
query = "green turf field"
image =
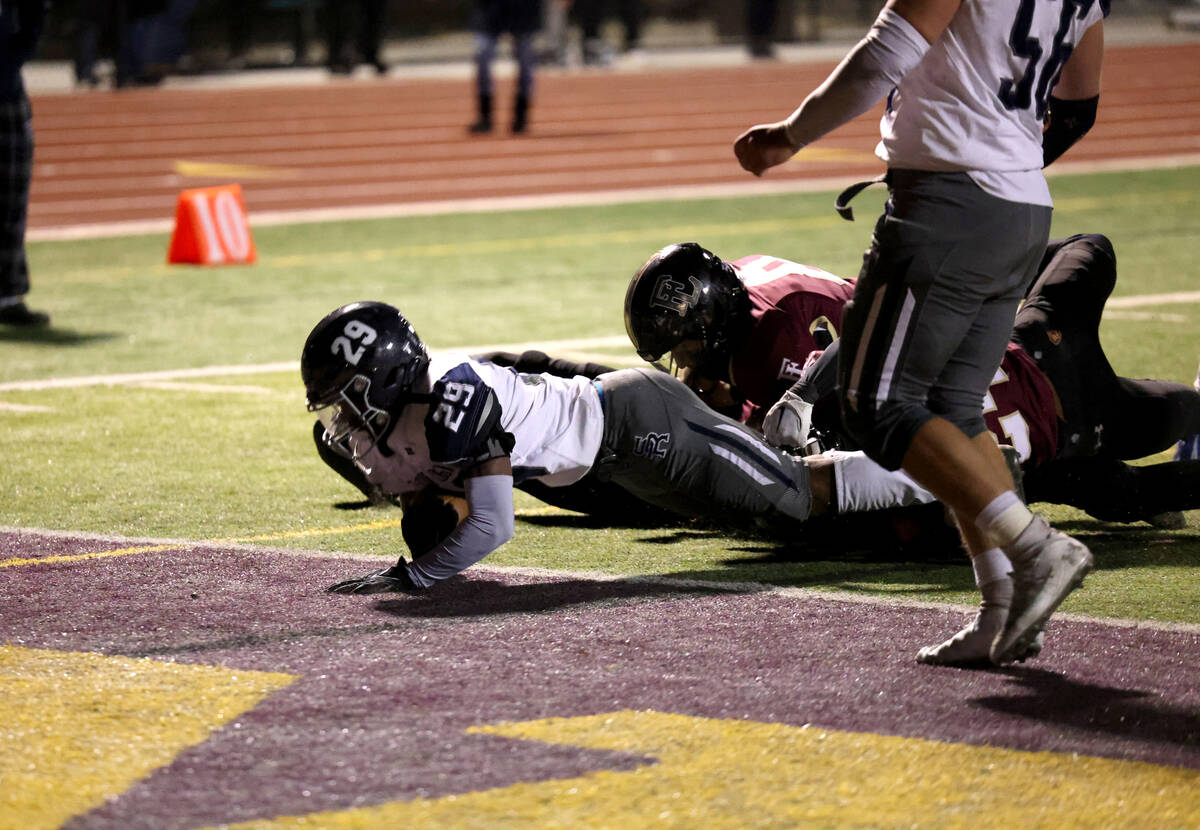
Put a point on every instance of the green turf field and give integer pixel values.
(231, 456)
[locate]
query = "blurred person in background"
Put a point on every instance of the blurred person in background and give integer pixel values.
(122, 29)
(493, 18)
(591, 14)
(167, 39)
(21, 24)
(371, 19)
(760, 27)
(555, 34)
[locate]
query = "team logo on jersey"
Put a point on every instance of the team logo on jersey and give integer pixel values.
(652, 445)
(1054, 335)
(673, 294)
(790, 370)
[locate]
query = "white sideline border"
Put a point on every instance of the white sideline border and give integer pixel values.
(680, 193)
(161, 376)
(594, 576)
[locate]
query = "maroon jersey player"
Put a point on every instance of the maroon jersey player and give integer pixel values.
(1058, 401)
(1019, 408)
(739, 331)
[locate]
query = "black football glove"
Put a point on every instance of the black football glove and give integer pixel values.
(389, 580)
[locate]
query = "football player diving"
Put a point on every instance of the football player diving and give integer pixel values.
(1056, 398)
(412, 425)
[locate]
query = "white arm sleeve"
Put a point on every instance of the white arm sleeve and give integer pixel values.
(864, 485)
(488, 526)
(889, 50)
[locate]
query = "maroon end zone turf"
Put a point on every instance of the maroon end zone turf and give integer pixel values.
(388, 685)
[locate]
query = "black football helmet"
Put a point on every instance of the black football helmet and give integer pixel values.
(359, 367)
(685, 292)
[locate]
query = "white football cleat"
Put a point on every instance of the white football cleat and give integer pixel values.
(971, 647)
(1047, 565)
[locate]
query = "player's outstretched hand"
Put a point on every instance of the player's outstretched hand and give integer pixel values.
(762, 147)
(389, 580)
(789, 422)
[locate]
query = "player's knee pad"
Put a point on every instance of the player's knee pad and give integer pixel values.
(885, 431)
(960, 408)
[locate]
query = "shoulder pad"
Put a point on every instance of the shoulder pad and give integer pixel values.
(463, 424)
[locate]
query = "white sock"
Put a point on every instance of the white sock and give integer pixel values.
(1004, 518)
(991, 565)
(864, 485)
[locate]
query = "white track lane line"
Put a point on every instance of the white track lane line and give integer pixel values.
(543, 201)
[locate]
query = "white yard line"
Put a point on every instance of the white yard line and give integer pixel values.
(178, 386)
(1146, 316)
(1153, 299)
(573, 347)
(22, 407)
(679, 193)
(596, 576)
(168, 375)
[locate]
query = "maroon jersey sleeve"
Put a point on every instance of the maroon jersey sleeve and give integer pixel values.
(789, 302)
(1019, 408)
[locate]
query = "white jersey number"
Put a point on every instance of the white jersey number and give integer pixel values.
(456, 398)
(1013, 425)
(354, 330)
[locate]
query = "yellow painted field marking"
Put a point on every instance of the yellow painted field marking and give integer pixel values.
(220, 170)
(381, 524)
(77, 729)
(709, 773)
(79, 557)
(490, 246)
(830, 154)
(263, 537)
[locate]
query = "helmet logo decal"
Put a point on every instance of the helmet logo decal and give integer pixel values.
(344, 345)
(673, 294)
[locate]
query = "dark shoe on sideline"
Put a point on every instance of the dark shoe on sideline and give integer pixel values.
(483, 124)
(20, 314)
(520, 120)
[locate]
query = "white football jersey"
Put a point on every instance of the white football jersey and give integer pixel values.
(549, 427)
(977, 100)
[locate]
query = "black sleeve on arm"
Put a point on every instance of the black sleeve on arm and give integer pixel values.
(819, 379)
(1067, 122)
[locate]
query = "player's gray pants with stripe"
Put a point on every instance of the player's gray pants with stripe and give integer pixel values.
(662, 444)
(933, 308)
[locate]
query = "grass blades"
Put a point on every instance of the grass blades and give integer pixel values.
(231, 456)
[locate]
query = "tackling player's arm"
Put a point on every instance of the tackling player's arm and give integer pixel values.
(1076, 96)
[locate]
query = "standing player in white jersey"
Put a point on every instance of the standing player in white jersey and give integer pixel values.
(413, 423)
(981, 95)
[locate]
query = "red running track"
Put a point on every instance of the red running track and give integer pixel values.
(111, 157)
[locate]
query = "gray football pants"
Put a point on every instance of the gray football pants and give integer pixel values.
(933, 308)
(663, 445)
